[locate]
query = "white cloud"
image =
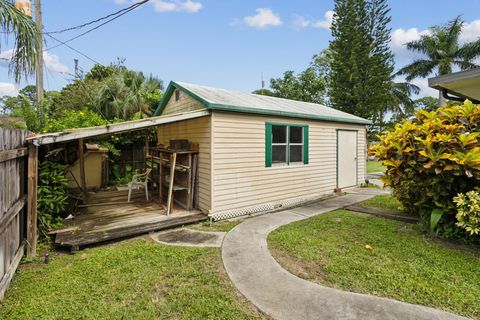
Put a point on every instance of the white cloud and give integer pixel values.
(8, 89)
(326, 23)
(401, 36)
(300, 22)
(170, 5)
(471, 31)
(51, 61)
(263, 18)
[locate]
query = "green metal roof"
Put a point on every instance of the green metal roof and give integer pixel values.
(226, 100)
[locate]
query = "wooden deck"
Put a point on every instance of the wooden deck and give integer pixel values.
(109, 216)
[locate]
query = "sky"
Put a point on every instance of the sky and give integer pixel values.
(221, 43)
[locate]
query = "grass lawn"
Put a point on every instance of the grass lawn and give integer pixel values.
(131, 280)
(375, 166)
(218, 226)
(366, 254)
(383, 202)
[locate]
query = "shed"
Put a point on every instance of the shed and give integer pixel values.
(259, 153)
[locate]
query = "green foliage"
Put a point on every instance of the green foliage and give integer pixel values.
(117, 175)
(127, 93)
(25, 34)
(52, 194)
(468, 211)
(431, 159)
(361, 59)
(74, 119)
(309, 85)
(264, 92)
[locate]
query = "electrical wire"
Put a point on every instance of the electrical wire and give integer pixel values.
(127, 10)
(72, 48)
(137, 4)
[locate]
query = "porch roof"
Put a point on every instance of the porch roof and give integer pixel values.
(463, 84)
(81, 133)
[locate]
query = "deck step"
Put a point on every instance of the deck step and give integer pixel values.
(75, 240)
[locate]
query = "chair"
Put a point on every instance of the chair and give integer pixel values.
(139, 180)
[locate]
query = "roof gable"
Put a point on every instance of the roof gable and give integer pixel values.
(226, 100)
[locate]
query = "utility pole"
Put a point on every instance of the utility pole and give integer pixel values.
(39, 63)
(77, 74)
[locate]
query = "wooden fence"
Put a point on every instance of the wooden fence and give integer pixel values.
(13, 202)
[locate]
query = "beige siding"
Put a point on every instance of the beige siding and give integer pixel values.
(185, 104)
(198, 131)
(240, 178)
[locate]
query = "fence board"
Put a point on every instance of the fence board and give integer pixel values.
(12, 202)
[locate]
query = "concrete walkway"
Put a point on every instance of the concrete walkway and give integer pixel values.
(282, 295)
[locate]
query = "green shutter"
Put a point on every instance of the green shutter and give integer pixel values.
(268, 144)
(305, 145)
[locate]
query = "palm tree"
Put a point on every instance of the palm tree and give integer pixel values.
(125, 95)
(402, 103)
(24, 49)
(442, 53)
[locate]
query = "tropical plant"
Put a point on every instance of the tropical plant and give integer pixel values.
(12, 21)
(468, 211)
(442, 53)
(127, 93)
(52, 194)
(74, 119)
(431, 159)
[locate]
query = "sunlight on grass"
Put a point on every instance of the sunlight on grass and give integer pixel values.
(375, 166)
(133, 280)
(402, 263)
(383, 202)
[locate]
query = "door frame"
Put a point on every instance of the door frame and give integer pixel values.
(356, 159)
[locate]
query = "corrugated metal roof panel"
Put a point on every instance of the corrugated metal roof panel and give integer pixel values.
(226, 100)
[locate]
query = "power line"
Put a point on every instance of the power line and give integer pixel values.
(72, 48)
(127, 10)
(99, 19)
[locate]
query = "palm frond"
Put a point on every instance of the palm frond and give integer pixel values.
(418, 68)
(24, 49)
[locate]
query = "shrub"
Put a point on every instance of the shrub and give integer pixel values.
(431, 159)
(52, 194)
(468, 211)
(74, 119)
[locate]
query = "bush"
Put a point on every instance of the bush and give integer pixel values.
(432, 159)
(468, 211)
(52, 194)
(74, 119)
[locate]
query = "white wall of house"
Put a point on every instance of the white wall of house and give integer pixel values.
(240, 178)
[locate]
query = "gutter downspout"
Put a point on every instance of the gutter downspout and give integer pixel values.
(454, 98)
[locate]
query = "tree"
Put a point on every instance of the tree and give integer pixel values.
(24, 49)
(442, 52)
(426, 103)
(361, 60)
(126, 94)
(263, 92)
(309, 85)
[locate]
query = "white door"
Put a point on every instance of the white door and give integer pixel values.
(346, 158)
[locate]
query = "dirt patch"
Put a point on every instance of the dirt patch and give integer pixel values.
(187, 237)
(306, 270)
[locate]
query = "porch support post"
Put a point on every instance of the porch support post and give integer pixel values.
(32, 201)
(81, 159)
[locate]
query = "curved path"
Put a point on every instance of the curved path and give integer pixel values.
(282, 295)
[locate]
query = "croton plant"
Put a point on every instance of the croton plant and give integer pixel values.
(431, 159)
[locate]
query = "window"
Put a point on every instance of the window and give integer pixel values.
(285, 144)
(177, 95)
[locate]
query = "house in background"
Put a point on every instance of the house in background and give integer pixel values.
(258, 153)
(459, 86)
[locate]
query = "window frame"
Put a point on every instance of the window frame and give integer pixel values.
(269, 144)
